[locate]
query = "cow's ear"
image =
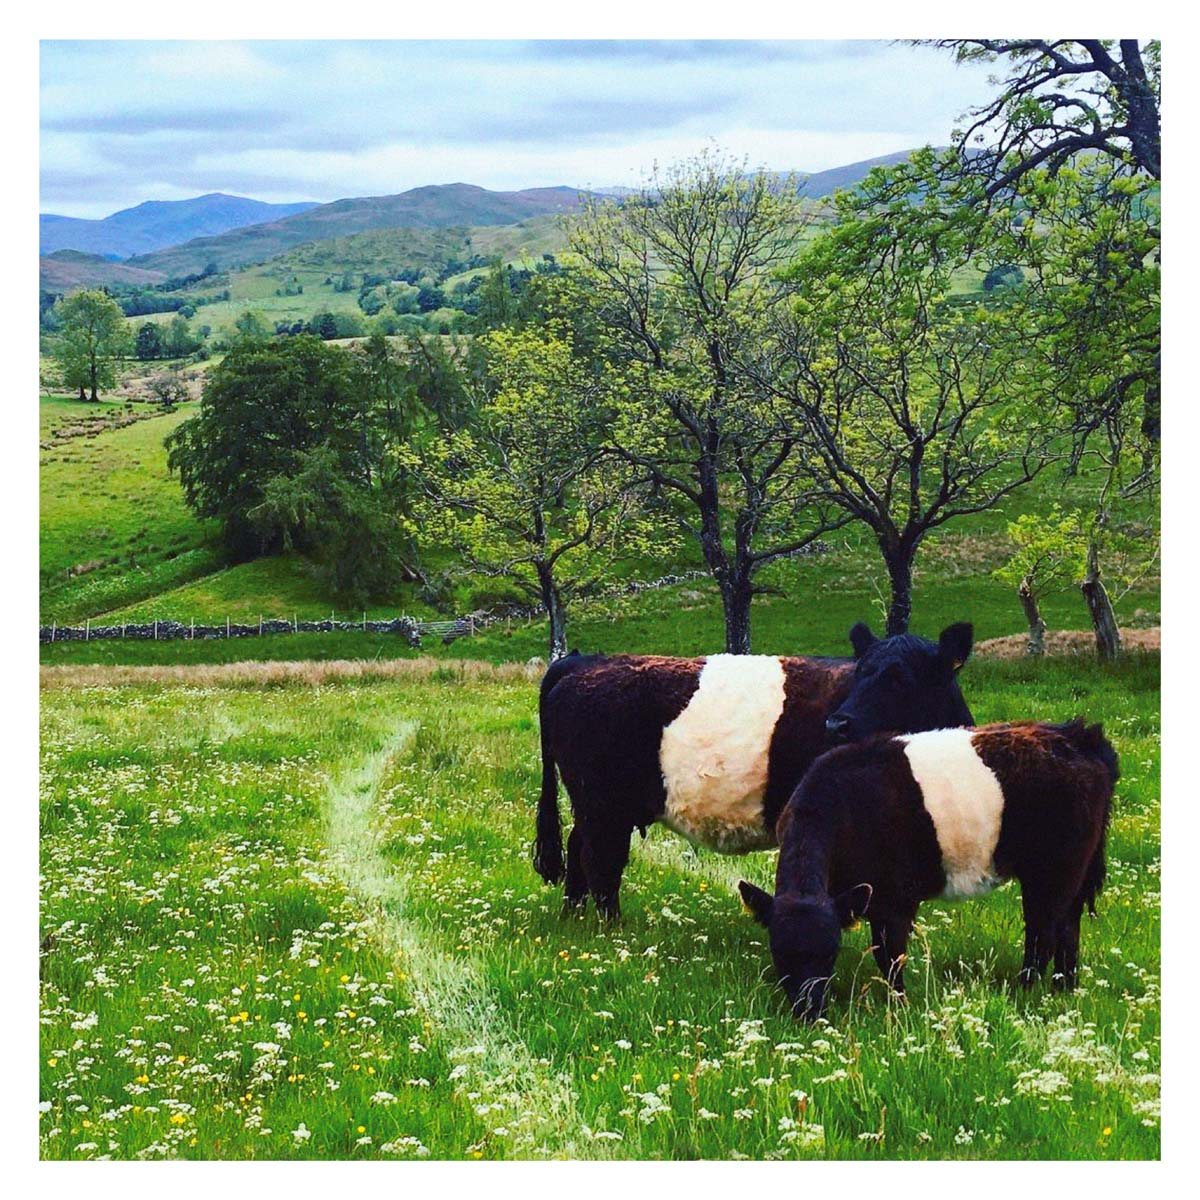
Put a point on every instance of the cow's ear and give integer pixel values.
(852, 903)
(955, 644)
(862, 639)
(760, 904)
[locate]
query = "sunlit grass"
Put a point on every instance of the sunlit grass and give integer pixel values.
(188, 879)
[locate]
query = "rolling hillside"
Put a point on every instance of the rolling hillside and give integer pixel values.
(158, 223)
(65, 270)
(434, 207)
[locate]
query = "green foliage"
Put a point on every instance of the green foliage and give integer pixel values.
(350, 531)
(527, 493)
(914, 409)
(93, 333)
(1050, 552)
(251, 326)
(264, 405)
(149, 342)
(178, 341)
(672, 287)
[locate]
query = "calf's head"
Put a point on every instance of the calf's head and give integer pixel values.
(805, 934)
(903, 684)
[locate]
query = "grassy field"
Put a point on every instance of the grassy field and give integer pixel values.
(117, 541)
(298, 920)
(113, 525)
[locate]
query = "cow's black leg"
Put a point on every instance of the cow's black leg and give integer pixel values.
(1041, 924)
(605, 852)
(1066, 948)
(889, 942)
(575, 892)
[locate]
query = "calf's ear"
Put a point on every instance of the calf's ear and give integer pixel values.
(852, 903)
(955, 644)
(862, 639)
(757, 901)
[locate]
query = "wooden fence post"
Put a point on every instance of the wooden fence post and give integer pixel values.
(53, 630)
(260, 624)
(192, 635)
(87, 630)
(226, 628)
(156, 629)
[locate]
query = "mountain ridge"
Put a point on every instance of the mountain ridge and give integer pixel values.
(156, 224)
(430, 206)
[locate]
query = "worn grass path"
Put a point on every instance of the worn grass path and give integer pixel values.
(495, 1066)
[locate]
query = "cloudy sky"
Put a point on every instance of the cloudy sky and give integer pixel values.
(123, 122)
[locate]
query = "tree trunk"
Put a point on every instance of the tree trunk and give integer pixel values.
(555, 611)
(94, 372)
(899, 560)
(735, 599)
(733, 578)
(1104, 620)
(1037, 627)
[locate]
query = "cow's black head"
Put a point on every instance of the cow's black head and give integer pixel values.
(903, 684)
(806, 933)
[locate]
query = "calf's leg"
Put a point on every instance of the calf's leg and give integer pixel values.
(575, 892)
(889, 943)
(1041, 929)
(1066, 948)
(605, 851)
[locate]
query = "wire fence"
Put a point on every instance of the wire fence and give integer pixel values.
(412, 629)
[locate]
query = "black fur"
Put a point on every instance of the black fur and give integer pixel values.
(856, 840)
(602, 721)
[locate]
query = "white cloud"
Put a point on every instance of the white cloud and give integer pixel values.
(127, 121)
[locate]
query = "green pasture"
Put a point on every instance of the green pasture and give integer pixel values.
(298, 920)
(113, 524)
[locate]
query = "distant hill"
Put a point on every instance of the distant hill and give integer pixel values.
(437, 206)
(825, 183)
(67, 269)
(158, 223)
(815, 185)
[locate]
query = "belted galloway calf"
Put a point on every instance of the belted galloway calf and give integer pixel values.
(878, 827)
(713, 747)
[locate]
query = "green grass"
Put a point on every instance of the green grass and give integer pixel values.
(108, 502)
(213, 851)
(208, 988)
(111, 513)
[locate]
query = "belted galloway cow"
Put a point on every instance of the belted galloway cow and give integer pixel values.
(876, 828)
(713, 747)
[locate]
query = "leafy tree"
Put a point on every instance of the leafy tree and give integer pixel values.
(178, 341)
(251, 326)
(349, 531)
(1002, 275)
(149, 342)
(674, 284)
(324, 325)
(168, 389)
(93, 335)
(1049, 554)
(1092, 265)
(1063, 99)
(525, 493)
(496, 305)
(430, 298)
(913, 409)
(264, 406)
(446, 375)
